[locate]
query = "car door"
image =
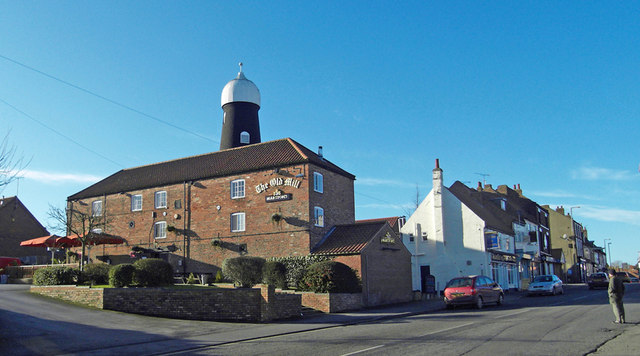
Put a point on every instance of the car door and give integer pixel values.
(487, 294)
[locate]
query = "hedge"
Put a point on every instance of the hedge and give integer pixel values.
(244, 271)
(57, 275)
(151, 272)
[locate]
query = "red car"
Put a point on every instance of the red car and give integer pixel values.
(473, 290)
(9, 261)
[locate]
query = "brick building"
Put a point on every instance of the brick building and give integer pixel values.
(17, 224)
(269, 199)
(375, 250)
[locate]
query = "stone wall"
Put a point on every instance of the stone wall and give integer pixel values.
(242, 304)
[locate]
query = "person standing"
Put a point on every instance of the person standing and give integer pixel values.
(616, 292)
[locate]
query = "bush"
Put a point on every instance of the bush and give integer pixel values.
(219, 277)
(121, 275)
(274, 273)
(296, 266)
(50, 276)
(151, 272)
(244, 271)
(96, 273)
(192, 279)
(330, 276)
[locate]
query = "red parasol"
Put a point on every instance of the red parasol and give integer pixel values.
(98, 238)
(51, 241)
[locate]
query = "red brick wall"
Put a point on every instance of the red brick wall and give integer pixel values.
(17, 224)
(331, 302)
(243, 304)
(199, 220)
(386, 272)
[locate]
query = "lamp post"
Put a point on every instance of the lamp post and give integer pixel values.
(571, 210)
(607, 246)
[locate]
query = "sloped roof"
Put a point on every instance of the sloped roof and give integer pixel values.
(248, 158)
(391, 220)
(10, 222)
(348, 239)
(494, 217)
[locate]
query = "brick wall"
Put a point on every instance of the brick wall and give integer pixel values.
(331, 302)
(92, 297)
(242, 304)
(386, 269)
(204, 214)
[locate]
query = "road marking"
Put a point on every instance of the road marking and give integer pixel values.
(447, 329)
(364, 350)
(584, 296)
(512, 314)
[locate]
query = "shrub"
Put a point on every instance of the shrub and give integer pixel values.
(296, 266)
(244, 271)
(219, 277)
(192, 279)
(274, 273)
(96, 273)
(121, 275)
(330, 276)
(49, 276)
(151, 272)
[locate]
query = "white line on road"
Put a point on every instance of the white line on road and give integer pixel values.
(364, 350)
(512, 314)
(447, 329)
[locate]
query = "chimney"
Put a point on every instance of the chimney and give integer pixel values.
(320, 151)
(560, 209)
(479, 187)
(519, 191)
(437, 178)
(489, 188)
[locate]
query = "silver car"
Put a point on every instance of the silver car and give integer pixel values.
(545, 284)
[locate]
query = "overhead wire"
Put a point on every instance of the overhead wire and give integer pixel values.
(124, 106)
(60, 133)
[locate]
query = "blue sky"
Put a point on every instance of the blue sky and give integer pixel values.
(541, 94)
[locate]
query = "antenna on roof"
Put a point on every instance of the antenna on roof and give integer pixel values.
(484, 177)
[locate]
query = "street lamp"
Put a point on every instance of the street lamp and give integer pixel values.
(571, 210)
(608, 247)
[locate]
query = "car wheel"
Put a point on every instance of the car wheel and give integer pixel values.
(561, 290)
(500, 299)
(479, 303)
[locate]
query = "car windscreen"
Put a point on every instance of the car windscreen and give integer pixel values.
(460, 282)
(542, 279)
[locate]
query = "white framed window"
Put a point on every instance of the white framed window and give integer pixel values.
(245, 137)
(160, 230)
(318, 184)
(160, 199)
(237, 189)
(237, 222)
(318, 216)
(136, 202)
(96, 208)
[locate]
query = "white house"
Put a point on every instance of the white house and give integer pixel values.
(448, 238)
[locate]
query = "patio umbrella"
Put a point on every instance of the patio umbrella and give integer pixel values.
(97, 238)
(52, 242)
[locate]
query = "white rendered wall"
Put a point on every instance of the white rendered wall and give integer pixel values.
(454, 247)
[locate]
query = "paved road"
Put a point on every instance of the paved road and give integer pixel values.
(576, 323)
